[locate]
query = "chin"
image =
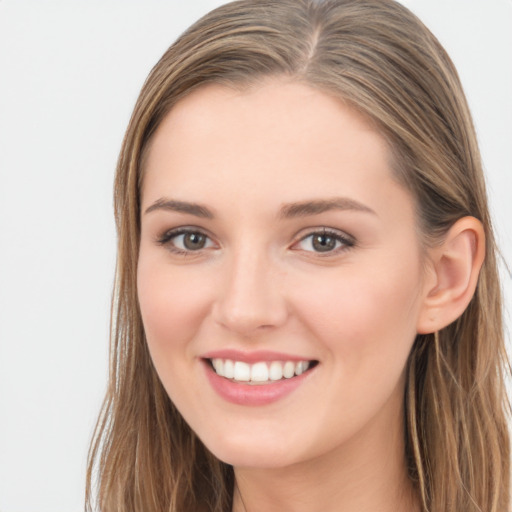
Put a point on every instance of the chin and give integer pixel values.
(256, 459)
(253, 453)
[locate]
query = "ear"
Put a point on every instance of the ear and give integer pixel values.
(454, 269)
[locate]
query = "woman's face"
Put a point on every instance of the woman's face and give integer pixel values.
(277, 246)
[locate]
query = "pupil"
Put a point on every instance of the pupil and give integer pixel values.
(194, 241)
(324, 243)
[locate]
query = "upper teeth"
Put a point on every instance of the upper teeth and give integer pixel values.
(258, 372)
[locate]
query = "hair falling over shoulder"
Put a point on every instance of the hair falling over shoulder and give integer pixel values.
(378, 57)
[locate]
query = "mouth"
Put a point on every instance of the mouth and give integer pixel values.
(261, 372)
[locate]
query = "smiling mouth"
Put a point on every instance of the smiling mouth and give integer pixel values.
(262, 372)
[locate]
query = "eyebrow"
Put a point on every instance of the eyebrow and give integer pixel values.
(315, 207)
(287, 211)
(181, 207)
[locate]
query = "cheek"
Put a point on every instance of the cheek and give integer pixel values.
(366, 327)
(364, 318)
(171, 303)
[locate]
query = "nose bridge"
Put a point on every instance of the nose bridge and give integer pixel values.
(250, 297)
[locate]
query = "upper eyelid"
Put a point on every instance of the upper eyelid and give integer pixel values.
(347, 242)
(172, 232)
(301, 235)
(166, 240)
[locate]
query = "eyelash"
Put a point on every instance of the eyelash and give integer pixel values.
(346, 242)
(168, 236)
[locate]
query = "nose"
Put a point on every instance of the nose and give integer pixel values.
(250, 298)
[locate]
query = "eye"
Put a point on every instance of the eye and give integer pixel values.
(324, 241)
(185, 240)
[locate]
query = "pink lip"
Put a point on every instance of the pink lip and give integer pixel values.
(252, 357)
(253, 395)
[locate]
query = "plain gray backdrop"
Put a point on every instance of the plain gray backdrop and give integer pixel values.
(70, 72)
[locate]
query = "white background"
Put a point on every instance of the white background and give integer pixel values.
(70, 72)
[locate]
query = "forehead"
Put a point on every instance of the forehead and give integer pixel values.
(286, 139)
(263, 109)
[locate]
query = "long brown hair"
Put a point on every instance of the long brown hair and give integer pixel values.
(379, 58)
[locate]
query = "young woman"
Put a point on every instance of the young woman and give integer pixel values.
(307, 313)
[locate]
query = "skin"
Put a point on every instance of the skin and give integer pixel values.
(336, 443)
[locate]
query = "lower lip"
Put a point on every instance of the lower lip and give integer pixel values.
(253, 394)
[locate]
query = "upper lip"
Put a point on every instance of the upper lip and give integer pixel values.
(253, 356)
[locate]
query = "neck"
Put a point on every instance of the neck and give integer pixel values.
(368, 473)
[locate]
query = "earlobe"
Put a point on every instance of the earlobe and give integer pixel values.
(455, 266)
